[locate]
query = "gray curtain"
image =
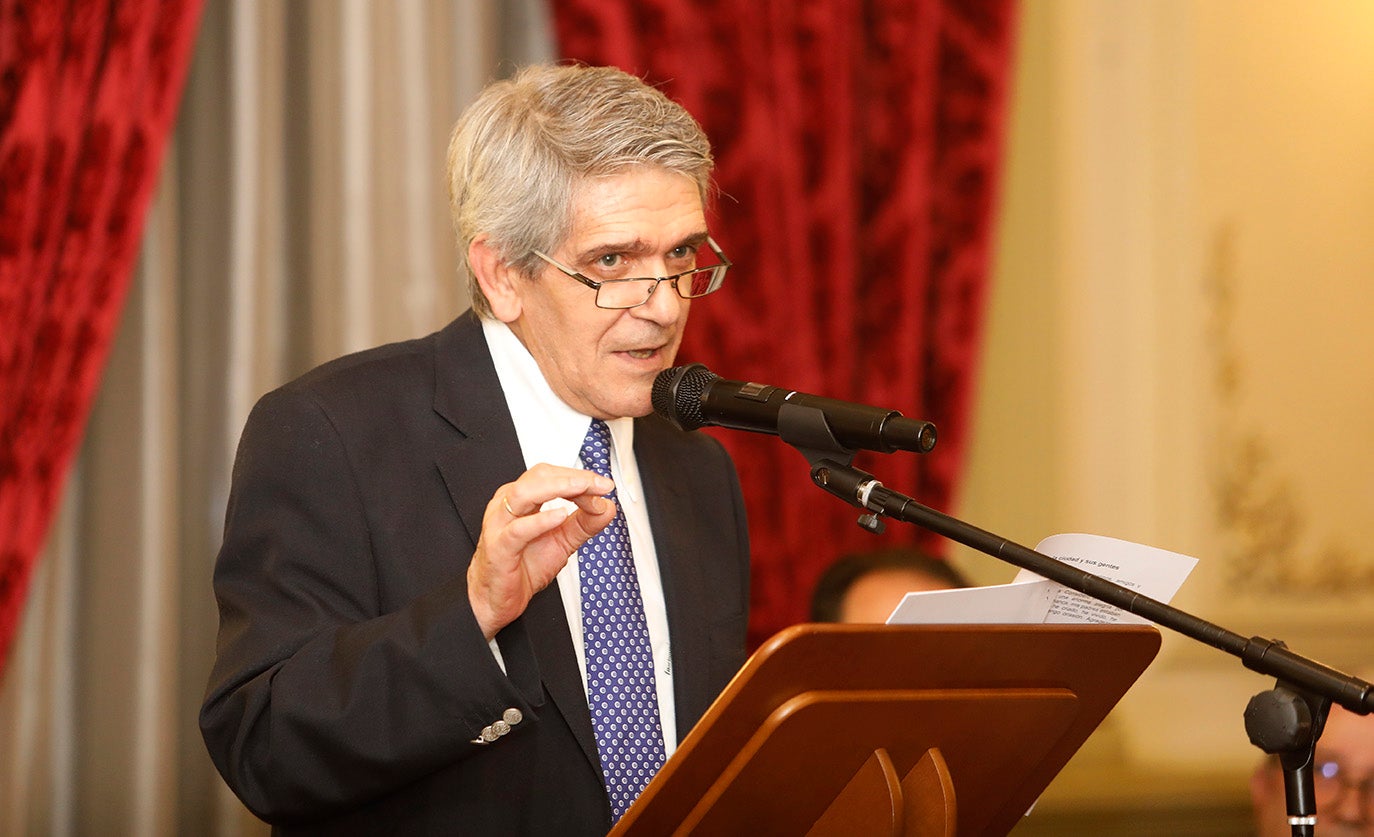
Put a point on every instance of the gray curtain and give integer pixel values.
(301, 214)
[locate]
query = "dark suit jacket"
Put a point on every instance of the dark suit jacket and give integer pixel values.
(351, 676)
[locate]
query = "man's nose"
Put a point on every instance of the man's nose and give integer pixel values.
(665, 306)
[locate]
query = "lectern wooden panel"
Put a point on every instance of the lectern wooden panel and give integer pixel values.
(828, 722)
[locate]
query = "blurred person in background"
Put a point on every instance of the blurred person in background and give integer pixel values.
(866, 586)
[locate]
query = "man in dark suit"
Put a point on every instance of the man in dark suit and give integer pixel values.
(417, 589)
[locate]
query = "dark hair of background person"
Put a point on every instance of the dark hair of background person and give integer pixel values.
(827, 600)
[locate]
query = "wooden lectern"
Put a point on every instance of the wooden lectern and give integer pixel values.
(892, 730)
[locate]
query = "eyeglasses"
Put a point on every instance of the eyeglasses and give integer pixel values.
(632, 293)
(1331, 781)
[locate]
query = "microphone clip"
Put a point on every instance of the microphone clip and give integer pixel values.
(806, 429)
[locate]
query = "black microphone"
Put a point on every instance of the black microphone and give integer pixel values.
(693, 396)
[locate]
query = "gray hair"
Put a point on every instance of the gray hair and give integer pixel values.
(519, 152)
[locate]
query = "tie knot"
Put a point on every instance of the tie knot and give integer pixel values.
(596, 448)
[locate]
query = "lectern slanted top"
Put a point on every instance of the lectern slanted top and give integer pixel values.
(905, 729)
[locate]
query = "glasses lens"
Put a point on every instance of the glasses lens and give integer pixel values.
(701, 282)
(624, 294)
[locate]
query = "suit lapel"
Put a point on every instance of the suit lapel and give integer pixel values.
(485, 456)
(685, 588)
(467, 394)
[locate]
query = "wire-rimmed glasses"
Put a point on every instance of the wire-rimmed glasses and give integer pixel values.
(634, 292)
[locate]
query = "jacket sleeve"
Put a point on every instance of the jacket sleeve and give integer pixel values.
(320, 697)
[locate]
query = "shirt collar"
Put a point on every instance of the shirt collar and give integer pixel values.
(548, 429)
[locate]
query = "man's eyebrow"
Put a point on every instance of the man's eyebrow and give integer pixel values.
(638, 247)
(696, 239)
(634, 247)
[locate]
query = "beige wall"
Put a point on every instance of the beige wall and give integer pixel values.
(1177, 346)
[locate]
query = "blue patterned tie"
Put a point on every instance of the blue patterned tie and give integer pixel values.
(620, 660)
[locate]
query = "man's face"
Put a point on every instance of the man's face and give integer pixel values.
(1347, 740)
(603, 362)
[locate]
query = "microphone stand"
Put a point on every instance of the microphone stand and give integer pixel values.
(1285, 721)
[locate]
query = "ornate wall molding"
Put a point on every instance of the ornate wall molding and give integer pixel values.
(1270, 542)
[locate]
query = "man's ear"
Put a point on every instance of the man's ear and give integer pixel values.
(498, 280)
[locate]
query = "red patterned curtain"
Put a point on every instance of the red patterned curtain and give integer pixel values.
(88, 90)
(858, 148)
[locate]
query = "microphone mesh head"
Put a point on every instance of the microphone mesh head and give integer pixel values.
(677, 395)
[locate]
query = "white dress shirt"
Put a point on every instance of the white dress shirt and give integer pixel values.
(550, 431)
